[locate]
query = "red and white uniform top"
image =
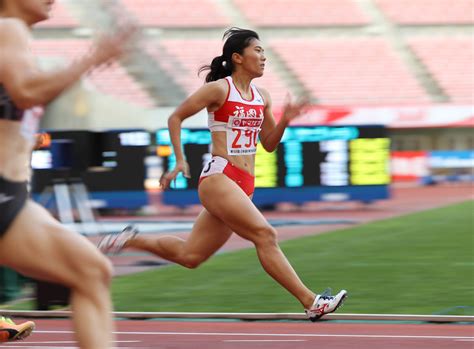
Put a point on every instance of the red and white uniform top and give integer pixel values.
(241, 119)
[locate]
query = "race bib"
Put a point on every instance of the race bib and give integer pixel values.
(30, 123)
(242, 135)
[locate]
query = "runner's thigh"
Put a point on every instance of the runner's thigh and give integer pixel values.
(38, 246)
(209, 233)
(224, 199)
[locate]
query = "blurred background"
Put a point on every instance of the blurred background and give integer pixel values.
(389, 133)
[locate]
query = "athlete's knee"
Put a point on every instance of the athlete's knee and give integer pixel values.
(96, 273)
(266, 235)
(107, 271)
(192, 261)
(104, 271)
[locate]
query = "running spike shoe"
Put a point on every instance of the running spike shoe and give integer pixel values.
(324, 304)
(9, 331)
(114, 243)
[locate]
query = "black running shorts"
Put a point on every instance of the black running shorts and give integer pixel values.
(13, 196)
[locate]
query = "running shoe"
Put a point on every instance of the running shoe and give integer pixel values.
(114, 243)
(9, 331)
(325, 304)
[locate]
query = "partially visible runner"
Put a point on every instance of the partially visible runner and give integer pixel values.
(239, 113)
(32, 242)
(9, 331)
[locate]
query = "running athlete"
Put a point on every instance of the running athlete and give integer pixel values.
(239, 114)
(32, 242)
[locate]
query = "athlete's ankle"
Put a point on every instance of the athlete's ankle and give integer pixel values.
(308, 300)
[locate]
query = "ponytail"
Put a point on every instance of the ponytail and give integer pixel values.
(236, 40)
(218, 69)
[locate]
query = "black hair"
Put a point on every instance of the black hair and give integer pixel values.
(236, 40)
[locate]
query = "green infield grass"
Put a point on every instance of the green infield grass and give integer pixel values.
(421, 263)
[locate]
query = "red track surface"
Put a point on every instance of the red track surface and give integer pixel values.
(265, 335)
(261, 335)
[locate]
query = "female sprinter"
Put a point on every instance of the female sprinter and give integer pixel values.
(239, 112)
(32, 242)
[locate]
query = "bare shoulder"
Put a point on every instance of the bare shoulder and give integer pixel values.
(214, 92)
(14, 37)
(220, 86)
(14, 34)
(13, 28)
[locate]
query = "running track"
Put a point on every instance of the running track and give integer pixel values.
(261, 335)
(281, 335)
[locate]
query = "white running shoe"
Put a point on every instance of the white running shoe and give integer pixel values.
(325, 304)
(114, 243)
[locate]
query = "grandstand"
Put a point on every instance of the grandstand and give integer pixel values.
(351, 71)
(302, 13)
(344, 53)
(114, 80)
(176, 14)
(450, 61)
(425, 12)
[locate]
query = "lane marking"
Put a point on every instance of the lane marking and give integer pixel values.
(50, 347)
(37, 347)
(263, 340)
(240, 334)
(74, 342)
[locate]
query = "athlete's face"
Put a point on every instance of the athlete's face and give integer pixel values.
(36, 10)
(253, 58)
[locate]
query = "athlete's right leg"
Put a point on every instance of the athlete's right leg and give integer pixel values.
(39, 246)
(209, 233)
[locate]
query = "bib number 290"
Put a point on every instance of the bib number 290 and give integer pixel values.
(249, 138)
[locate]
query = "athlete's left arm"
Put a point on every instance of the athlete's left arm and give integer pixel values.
(271, 133)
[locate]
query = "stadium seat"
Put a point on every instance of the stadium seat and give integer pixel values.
(178, 13)
(114, 81)
(356, 71)
(424, 12)
(298, 13)
(450, 61)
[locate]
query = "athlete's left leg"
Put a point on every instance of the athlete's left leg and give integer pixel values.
(239, 213)
(209, 233)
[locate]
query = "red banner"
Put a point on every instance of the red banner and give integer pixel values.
(408, 165)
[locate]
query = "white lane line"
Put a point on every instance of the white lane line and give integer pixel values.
(263, 340)
(37, 347)
(239, 334)
(74, 342)
(49, 347)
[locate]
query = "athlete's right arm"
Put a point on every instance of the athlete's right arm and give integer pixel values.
(211, 96)
(25, 83)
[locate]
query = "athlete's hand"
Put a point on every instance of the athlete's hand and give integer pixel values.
(168, 177)
(40, 141)
(110, 47)
(292, 110)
